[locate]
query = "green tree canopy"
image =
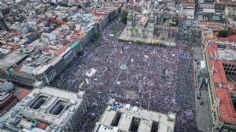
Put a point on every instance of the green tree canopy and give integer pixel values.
(223, 33)
(124, 16)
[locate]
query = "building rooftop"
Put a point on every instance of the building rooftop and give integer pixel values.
(221, 61)
(11, 59)
(10, 95)
(226, 2)
(83, 3)
(44, 109)
(189, 4)
(123, 117)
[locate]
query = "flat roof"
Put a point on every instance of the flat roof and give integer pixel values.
(215, 18)
(11, 59)
(228, 2)
(166, 122)
(209, 11)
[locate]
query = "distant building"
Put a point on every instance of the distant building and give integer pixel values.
(10, 95)
(46, 110)
(221, 4)
(189, 8)
(123, 118)
(82, 3)
(230, 13)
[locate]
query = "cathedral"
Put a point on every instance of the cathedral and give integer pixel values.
(156, 24)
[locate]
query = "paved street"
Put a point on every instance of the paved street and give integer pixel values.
(204, 121)
(203, 113)
(188, 34)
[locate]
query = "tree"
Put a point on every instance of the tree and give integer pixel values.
(157, 43)
(223, 33)
(63, 5)
(174, 22)
(124, 16)
(95, 37)
(138, 42)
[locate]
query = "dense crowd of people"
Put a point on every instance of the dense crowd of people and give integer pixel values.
(151, 77)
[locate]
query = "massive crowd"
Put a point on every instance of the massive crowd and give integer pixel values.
(154, 78)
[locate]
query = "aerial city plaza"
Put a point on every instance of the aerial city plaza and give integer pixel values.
(117, 66)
